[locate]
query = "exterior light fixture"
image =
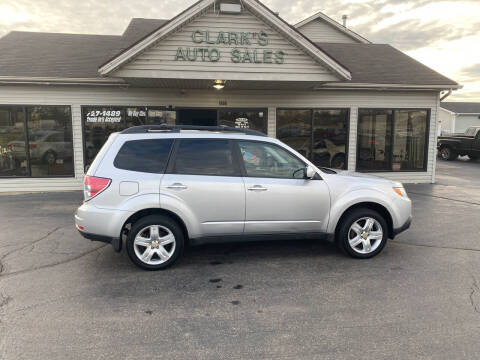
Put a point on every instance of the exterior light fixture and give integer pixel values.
(219, 84)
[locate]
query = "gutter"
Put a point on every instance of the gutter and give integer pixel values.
(21, 80)
(369, 86)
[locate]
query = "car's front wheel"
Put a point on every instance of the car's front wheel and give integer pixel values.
(155, 242)
(363, 233)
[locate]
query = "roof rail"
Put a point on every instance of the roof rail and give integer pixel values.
(177, 128)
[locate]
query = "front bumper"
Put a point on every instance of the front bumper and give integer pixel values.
(402, 228)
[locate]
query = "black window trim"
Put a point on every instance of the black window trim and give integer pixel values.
(27, 143)
(170, 169)
(239, 159)
(427, 141)
(312, 109)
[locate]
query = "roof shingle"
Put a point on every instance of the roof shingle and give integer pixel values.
(34, 54)
(462, 107)
(382, 64)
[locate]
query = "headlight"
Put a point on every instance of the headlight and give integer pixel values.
(400, 190)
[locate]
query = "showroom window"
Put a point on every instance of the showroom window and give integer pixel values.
(36, 141)
(100, 121)
(321, 135)
(392, 140)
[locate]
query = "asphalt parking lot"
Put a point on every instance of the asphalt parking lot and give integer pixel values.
(63, 297)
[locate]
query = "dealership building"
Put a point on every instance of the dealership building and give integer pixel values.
(323, 89)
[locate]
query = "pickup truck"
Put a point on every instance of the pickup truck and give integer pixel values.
(468, 143)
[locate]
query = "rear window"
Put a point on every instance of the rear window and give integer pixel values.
(204, 157)
(150, 156)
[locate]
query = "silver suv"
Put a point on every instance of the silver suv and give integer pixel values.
(157, 188)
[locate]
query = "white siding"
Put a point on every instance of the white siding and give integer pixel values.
(159, 60)
(446, 121)
(77, 96)
(319, 31)
(462, 122)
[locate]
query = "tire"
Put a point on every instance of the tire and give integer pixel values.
(158, 256)
(446, 153)
(338, 162)
(347, 234)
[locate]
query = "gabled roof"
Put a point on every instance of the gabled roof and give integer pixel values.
(139, 27)
(44, 55)
(322, 17)
(462, 107)
(383, 64)
(50, 57)
(255, 7)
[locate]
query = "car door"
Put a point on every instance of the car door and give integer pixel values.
(206, 182)
(278, 197)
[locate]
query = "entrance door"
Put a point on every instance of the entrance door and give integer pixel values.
(197, 117)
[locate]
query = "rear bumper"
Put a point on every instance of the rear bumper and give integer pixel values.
(402, 228)
(116, 242)
(95, 237)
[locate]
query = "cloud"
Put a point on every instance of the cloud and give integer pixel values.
(428, 30)
(473, 70)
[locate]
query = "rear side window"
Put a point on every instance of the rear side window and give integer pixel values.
(150, 156)
(204, 157)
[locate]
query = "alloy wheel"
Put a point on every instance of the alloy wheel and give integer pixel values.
(365, 235)
(154, 244)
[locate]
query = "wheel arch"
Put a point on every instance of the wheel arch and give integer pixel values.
(153, 211)
(382, 210)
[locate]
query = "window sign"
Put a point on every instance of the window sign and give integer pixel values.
(243, 119)
(136, 116)
(241, 123)
(104, 116)
(100, 121)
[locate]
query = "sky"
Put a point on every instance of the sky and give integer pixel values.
(442, 34)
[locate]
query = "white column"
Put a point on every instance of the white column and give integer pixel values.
(352, 139)
(77, 141)
(272, 122)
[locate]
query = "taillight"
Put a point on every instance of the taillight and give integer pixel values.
(33, 146)
(94, 185)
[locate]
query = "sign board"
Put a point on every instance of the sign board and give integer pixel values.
(242, 47)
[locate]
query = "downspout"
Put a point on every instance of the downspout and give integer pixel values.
(449, 92)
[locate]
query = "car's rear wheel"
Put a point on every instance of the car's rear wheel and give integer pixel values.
(363, 233)
(447, 154)
(155, 242)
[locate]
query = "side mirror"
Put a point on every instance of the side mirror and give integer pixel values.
(309, 172)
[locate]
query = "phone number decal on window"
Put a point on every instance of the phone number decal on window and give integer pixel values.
(103, 116)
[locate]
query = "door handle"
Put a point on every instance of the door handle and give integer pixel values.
(257, 188)
(177, 186)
